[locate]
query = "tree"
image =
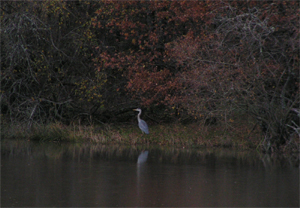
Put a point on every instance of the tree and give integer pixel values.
(134, 36)
(250, 62)
(45, 53)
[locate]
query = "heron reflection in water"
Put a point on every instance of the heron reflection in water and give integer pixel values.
(143, 157)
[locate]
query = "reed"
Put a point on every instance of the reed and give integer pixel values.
(177, 135)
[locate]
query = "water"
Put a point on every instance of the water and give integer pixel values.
(77, 175)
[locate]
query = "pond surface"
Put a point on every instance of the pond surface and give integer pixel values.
(91, 175)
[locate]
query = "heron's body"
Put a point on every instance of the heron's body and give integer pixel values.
(142, 124)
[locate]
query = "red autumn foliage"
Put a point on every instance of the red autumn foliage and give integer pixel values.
(138, 33)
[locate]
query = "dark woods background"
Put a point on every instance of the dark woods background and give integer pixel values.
(207, 61)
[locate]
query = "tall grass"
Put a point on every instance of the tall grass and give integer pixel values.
(193, 135)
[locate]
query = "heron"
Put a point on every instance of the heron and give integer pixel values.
(142, 124)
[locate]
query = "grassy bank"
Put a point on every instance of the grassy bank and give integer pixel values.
(239, 132)
(236, 135)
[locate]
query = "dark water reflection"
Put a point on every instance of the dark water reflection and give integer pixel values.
(89, 175)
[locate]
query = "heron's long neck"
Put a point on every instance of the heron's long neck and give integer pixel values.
(139, 118)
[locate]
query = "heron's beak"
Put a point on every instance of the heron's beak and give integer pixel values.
(135, 109)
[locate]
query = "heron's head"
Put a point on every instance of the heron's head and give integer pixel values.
(138, 109)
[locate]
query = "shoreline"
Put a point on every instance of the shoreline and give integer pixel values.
(192, 135)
